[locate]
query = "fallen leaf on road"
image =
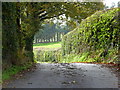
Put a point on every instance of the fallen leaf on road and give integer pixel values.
(65, 82)
(29, 83)
(73, 82)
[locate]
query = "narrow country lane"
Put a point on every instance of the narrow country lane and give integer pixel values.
(73, 75)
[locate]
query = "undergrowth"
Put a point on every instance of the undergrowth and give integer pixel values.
(6, 74)
(90, 56)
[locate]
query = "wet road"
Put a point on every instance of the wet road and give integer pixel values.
(74, 75)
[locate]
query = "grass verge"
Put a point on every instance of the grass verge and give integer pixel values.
(6, 74)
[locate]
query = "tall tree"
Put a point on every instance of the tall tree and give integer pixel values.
(118, 4)
(113, 5)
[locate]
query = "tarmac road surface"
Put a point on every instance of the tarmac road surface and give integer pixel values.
(64, 75)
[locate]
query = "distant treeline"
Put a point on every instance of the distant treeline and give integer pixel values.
(50, 33)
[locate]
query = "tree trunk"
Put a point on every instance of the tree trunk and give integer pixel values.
(29, 48)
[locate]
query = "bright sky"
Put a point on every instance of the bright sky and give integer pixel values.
(109, 2)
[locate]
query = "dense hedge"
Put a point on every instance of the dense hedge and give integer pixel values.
(97, 33)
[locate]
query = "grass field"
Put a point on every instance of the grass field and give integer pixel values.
(48, 45)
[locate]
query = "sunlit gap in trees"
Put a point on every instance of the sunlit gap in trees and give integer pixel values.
(112, 4)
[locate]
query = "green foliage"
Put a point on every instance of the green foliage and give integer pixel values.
(47, 56)
(6, 74)
(9, 33)
(17, 35)
(20, 22)
(56, 57)
(52, 56)
(47, 52)
(99, 32)
(50, 33)
(77, 58)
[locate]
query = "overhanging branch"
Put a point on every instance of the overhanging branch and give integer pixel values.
(48, 17)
